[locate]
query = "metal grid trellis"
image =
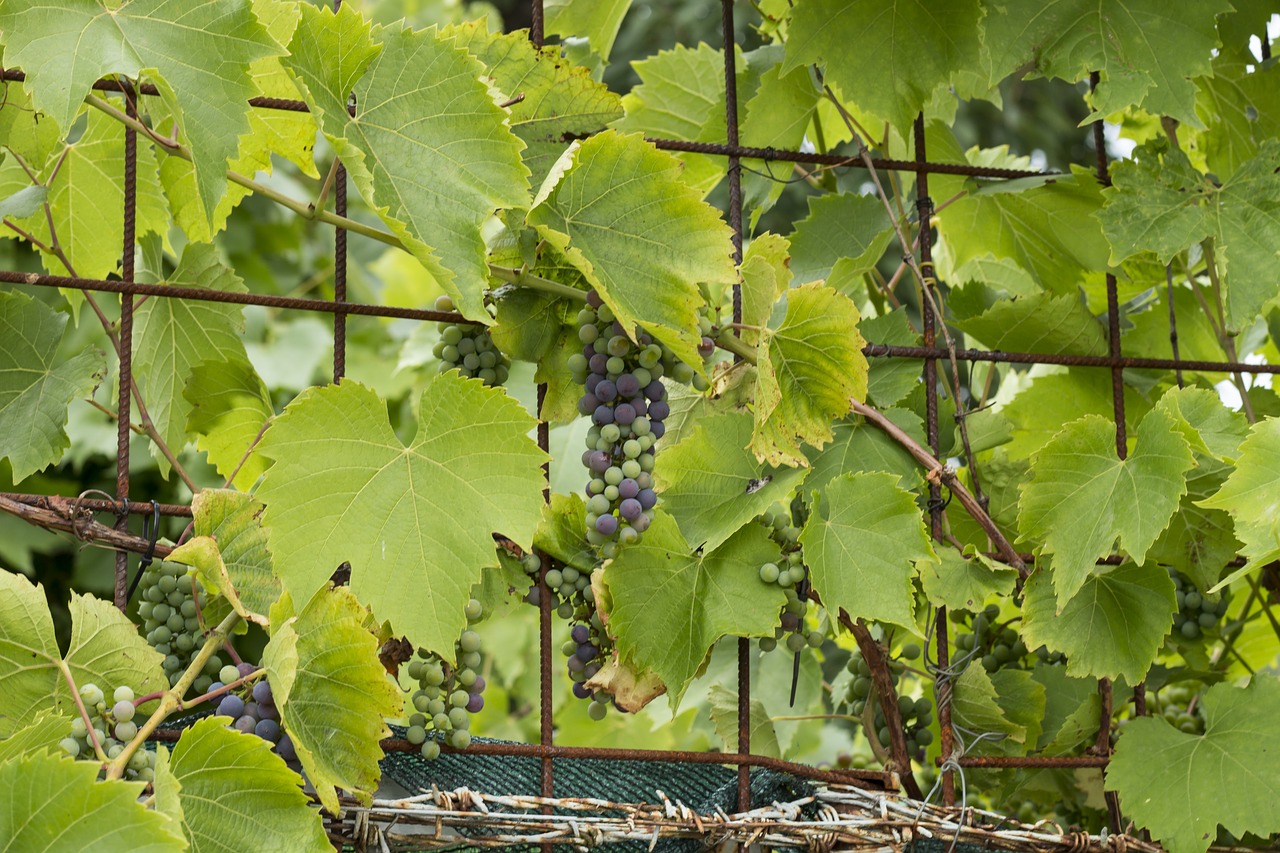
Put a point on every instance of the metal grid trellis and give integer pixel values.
(930, 354)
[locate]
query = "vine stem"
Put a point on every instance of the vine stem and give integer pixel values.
(172, 699)
(84, 712)
(882, 682)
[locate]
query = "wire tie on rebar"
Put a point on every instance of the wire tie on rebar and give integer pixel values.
(151, 531)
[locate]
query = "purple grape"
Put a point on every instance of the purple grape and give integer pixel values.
(586, 462)
(641, 524)
(627, 385)
(593, 299)
(587, 351)
(657, 429)
(575, 664)
(231, 706)
(647, 498)
(706, 346)
(618, 329)
(630, 509)
(591, 669)
(598, 363)
(245, 724)
(598, 462)
(246, 669)
(602, 415)
(475, 703)
(628, 488)
(216, 686)
(284, 748)
(251, 709)
(624, 414)
(641, 407)
(478, 685)
(593, 379)
(789, 622)
(267, 730)
(588, 404)
(262, 692)
(658, 410)
(606, 392)
(580, 690)
(268, 712)
(586, 652)
(606, 525)
(580, 633)
(655, 391)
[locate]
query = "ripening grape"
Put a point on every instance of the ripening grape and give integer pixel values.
(169, 605)
(469, 349)
(448, 696)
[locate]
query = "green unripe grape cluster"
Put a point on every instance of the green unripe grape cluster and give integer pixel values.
(469, 349)
(1199, 614)
(170, 599)
(996, 646)
(447, 696)
(916, 714)
(114, 723)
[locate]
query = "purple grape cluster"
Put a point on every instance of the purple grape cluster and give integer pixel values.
(447, 696)
(253, 709)
(587, 648)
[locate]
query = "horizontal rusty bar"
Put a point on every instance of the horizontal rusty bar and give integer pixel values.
(1031, 761)
(206, 295)
(98, 505)
(109, 85)
(888, 351)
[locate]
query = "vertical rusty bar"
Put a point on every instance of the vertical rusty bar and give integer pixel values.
(1173, 321)
(536, 34)
(942, 692)
(123, 415)
(735, 223)
(1103, 744)
(339, 266)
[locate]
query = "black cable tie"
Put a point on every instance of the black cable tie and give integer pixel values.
(151, 530)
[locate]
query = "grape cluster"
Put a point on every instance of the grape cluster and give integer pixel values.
(997, 646)
(252, 709)
(1177, 704)
(169, 608)
(114, 726)
(790, 570)
(469, 349)
(1198, 614)
(586, 649)
(447, 696)
(791, 626)
(916, 714)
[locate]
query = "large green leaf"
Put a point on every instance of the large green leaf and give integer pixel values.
(724, 714)
(766, 275)
(1251, 496)
(640, 235)
(1228, 777)
(1045, 227)
(1113, 627)
(332, 691)
(681, 96)
(172, 336)
(428, 148)
(345, 488)
(965, 581)
(1160, 203)
(236, 794)
(859, 446)
(672, 602)
(839, 225)
(562, 532)
(1040, 323)
(105, 649)
(597, 21)
(712, 484)
(40, 735)
(975, 706)
(1147, 51)
(209, 99)
(560, 100)
(809, 368)
(36, 385)
(229, 405)
(862, 538)
(1240, 107)
(55, 805)
(909, 48)
(1082, 498)
(234, 520)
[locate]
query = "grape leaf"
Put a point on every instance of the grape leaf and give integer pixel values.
(42, 734)
(172, 336)
(766, 275)
(863, 534)
(671, 603)
(891, 379)
(56, 805)
(965, 581)
(428, 148)
(1199, 785)
(858, 446)
(809, 368)
(322, 660)
(597, 21)
(229, 405)
(1240, 108)
(909, 47)
(561, 532)
(1199, 542)
(724, 714)
(1209, 426)
(1251, 498)
(681, 96)
(1147, 51)
(975, 707)
(777, 116)
(1038, 412)
(1045, 226)
(216, 772)
(1040, 323)
(208, 98)
(712, 484)
(1082, 498)
(345, 488)
(1071, 709)
(529, 324)
(839, 225)
(640, 235)
(36, 385)
(1160, 203)
(560, 100)
(105, 649)
(1113, 627)
(503, 588)
(201, 553)
(233, 520)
